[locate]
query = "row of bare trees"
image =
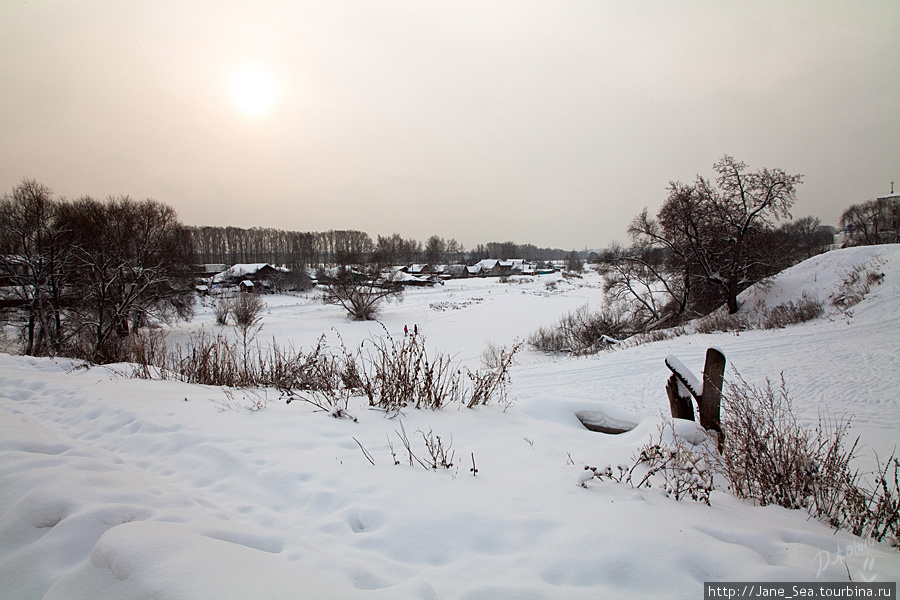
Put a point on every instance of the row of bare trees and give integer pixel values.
(79, 275)
(295, 249)
(508, 250)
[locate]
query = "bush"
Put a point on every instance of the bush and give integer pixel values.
(766, 454)
(246, 309)
(657, 335)
(399, 373)
(778, 317)
(582, 332)
(492, 383)
(321, 377)
(857, 283)
(721, 320)
(669, 463)
(221, 308)
(396, 374)
(793, 313)
(768, 457)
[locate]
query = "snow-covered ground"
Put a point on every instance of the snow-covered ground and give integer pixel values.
(120, 488)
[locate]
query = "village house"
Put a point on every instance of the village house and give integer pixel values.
(491, 267)
(253, 277)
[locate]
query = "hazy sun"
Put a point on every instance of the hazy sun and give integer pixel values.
(253, 91)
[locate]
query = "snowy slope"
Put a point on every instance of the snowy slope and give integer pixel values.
(120, 488)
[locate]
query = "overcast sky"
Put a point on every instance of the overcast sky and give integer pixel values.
(552, 122)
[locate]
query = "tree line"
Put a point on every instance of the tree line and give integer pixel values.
(296, 249)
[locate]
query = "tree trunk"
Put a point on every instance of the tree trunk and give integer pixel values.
(29, 336)
(731, 292)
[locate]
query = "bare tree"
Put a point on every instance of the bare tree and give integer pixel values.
(637, 279)
(873, 222)
(129, 267)
(454, 251)
(435, 249)
(574, 262)
(808, 237)
(502, 250)
(246, 309)
(34, 258)
(361, 293)
(90, 270)
(712, 231)
(394, 250)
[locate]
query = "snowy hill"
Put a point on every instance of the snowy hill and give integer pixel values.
(822, 277)
(120, 488)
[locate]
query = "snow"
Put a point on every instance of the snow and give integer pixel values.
(113, 487)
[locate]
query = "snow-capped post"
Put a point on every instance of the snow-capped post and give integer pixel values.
(679, 399)
(683, 384)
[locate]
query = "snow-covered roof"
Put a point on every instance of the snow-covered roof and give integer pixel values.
(401, 276)
(239, 270)
(487, 264)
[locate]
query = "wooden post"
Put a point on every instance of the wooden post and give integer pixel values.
(682, 385)
(709, 403)
(681, 406)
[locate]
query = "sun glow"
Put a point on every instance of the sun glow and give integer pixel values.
(253, 91)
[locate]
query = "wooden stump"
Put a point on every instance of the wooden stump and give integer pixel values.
(681, 405)
(710, 402)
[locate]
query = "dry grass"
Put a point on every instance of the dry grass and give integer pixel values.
(793, 313)
(396, 374)
(778, 317)
(857, 283)
(769, 458)
(392, 373)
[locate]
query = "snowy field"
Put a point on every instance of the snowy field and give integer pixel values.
(116, 488)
